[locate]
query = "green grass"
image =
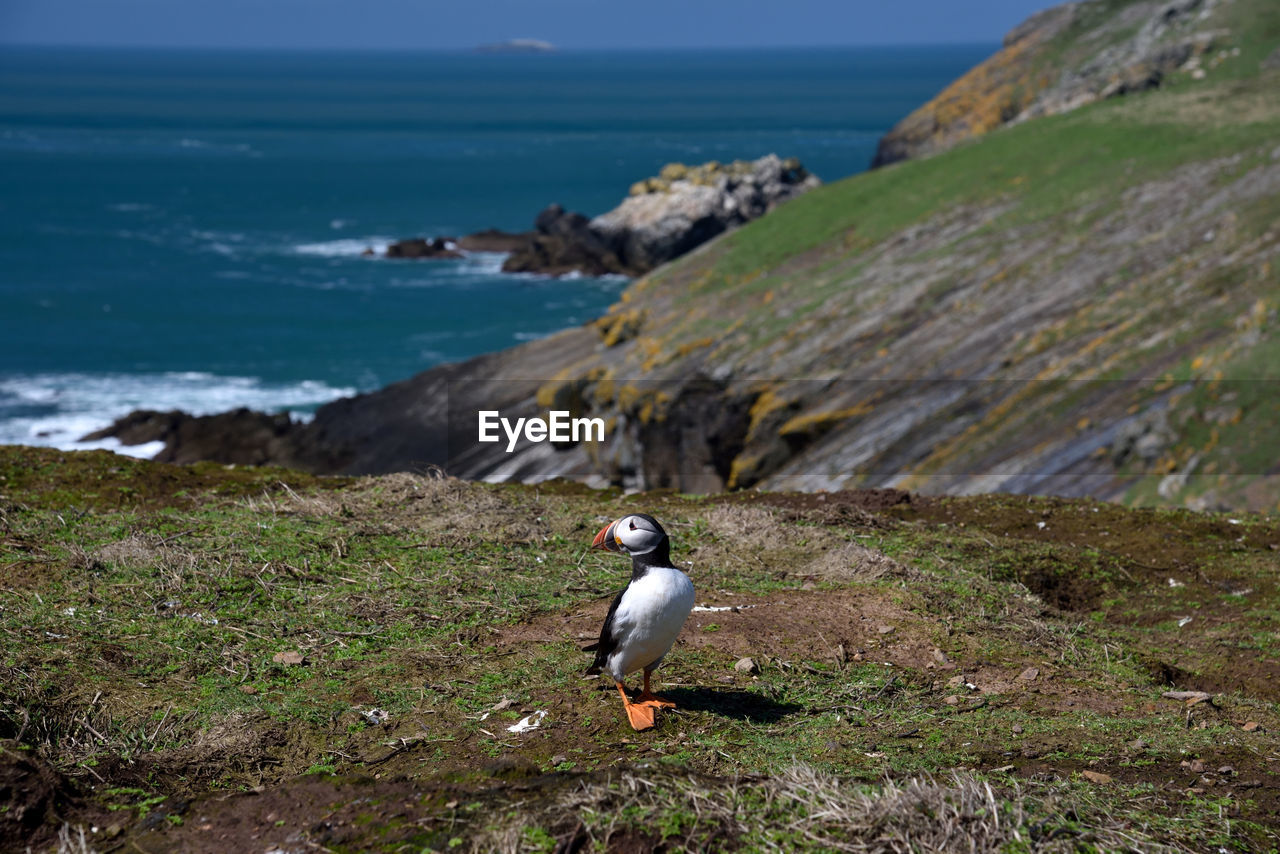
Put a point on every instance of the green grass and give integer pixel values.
(456, 609)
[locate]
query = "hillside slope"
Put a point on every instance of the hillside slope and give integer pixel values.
(1080, 304)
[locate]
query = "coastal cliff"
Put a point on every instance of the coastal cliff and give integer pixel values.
(1059, 60)
(1082, 304)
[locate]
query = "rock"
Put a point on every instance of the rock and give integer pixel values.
(746, 665)
(1227, 771)
(418, 247)
(238, 437)
(951, 700)
(1017, 729)
(662, 218)
(1142, 438)
(1029, 675)
(1272, 62)
(1138, 744)
(885, 630)
(1096, 777)
(686, 206)
(492, 240)
(563, 242)
(290, 657)
(1252, 726)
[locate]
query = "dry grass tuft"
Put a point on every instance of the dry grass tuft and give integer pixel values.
(854, 562)
(460, 511)
(753, 528)
(801, 808)
(74, 841)
(143, 551)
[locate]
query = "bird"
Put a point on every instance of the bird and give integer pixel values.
(645, 617)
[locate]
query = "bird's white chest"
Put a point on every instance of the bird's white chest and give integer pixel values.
(648, 619)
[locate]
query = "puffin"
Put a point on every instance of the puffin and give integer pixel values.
(645, 617)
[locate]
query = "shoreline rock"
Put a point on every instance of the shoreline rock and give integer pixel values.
(663, 218)
(418, 247)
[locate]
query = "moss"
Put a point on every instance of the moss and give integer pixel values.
(618, 327)
(811, 425)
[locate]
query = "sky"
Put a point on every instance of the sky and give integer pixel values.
(460, 24)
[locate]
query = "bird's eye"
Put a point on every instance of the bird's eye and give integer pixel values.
(633, 525)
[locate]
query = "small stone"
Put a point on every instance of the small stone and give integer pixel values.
(1029, 675)
(248, 689)
(857, 656)
(746, 665)
(885, 630)
(953, 700)
(289, 657)
(1227, 771)
(1138, 744)
(939, 656)
(1196, 766)
(956, 681)
(1096, 777)
(111, 831)
(1017, 729)
(1252, 726)
(559, 759)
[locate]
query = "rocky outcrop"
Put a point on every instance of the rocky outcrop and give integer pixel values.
(417, 247)
(662, 219)
(239, 437)
(684, 207)
(563, 242)
(1056, 61)
(493, 240)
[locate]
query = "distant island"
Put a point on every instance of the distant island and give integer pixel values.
(518, 46)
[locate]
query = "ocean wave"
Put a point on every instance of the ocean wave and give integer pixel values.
(219, 147)
(347, 247)
(55, 410)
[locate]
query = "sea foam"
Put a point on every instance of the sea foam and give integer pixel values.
(55, 410)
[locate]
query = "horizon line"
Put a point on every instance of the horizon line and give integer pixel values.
(479, 49)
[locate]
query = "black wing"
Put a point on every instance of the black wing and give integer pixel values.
(604, 647)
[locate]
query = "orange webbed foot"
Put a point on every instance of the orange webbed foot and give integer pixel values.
(651, 699)
(640, 716)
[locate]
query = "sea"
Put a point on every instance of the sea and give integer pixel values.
(188, 229)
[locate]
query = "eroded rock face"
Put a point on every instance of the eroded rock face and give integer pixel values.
(685, 207)
(1119, 54)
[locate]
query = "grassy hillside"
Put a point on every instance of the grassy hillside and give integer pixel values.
(203, 658)
(1012, 314)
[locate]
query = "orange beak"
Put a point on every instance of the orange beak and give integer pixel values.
(606, 539)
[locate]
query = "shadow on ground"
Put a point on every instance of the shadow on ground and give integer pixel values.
(731, 703)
